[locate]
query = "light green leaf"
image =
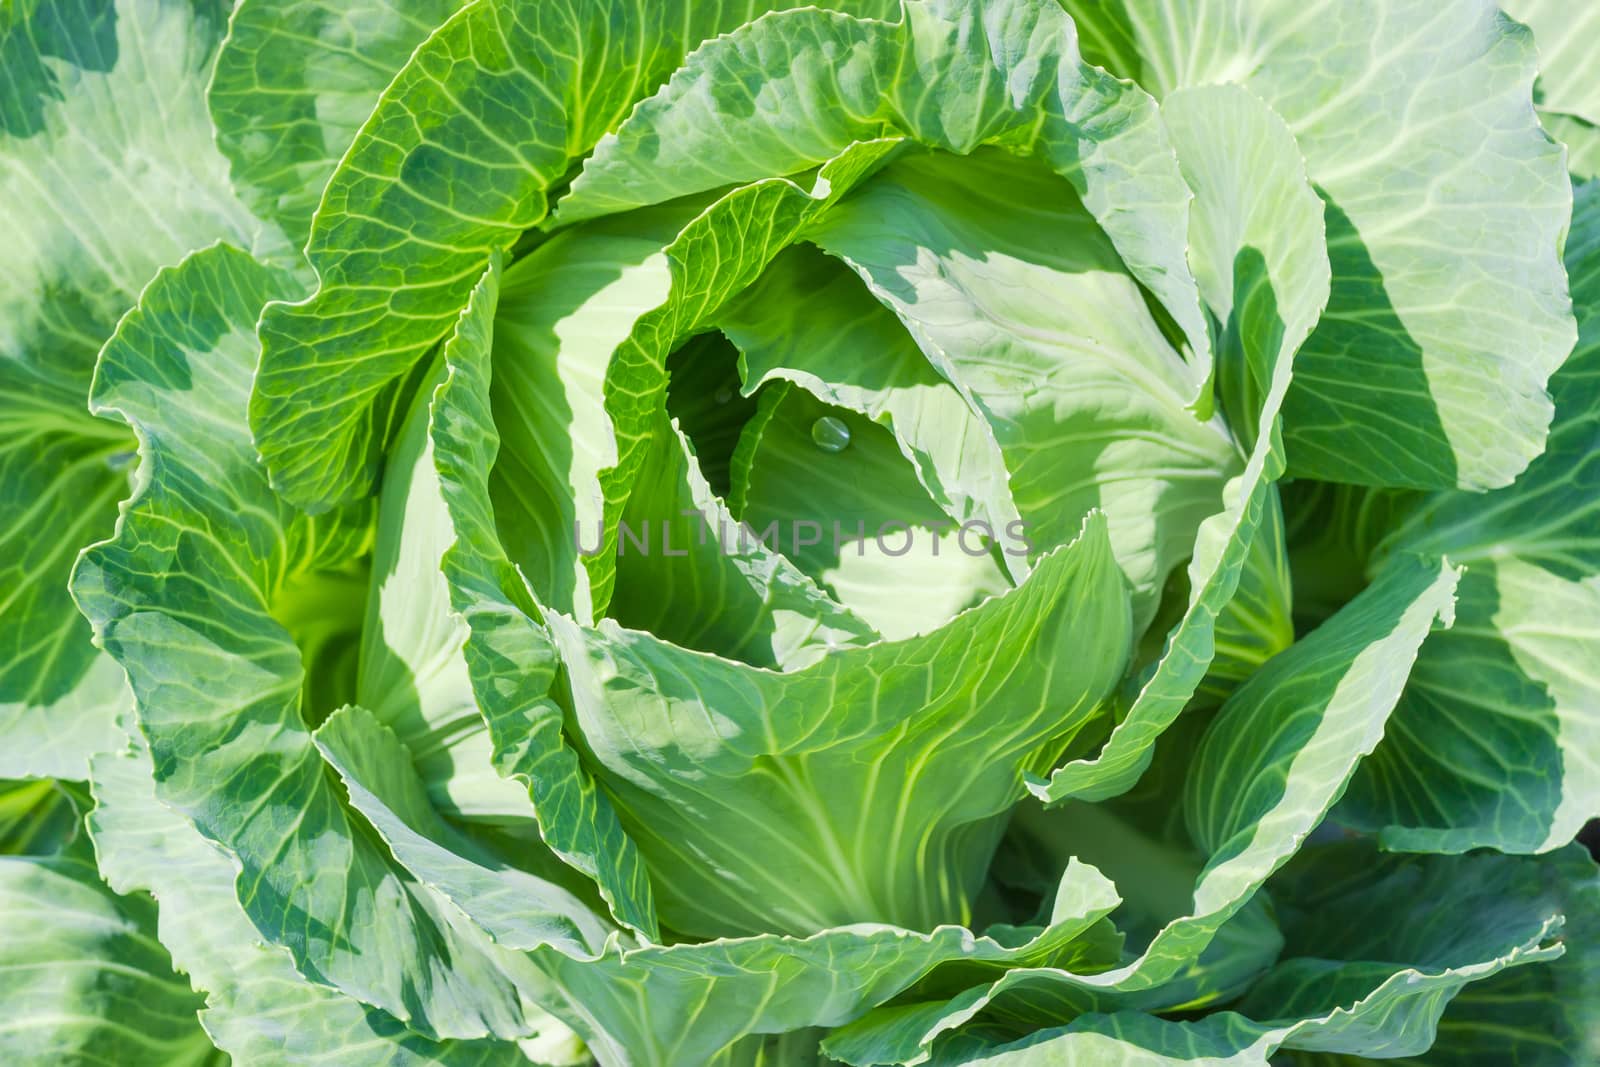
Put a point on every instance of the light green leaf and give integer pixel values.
(1125, 1040)
(742, 786)
(1326, 698)
(82, 976)
(563, 310)
(1285, 744)
(1566, 84)
(1257, 224)
(1545, 1016)
(107, 169)
(689, 1003)
(463, 151)
(1447, 209)
(1140, 842)
(293, 84)
(1497, 740)
(1154, 877)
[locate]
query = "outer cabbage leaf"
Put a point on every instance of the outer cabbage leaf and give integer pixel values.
(1496, 741)
(519, 910)
(107, 172)
(1447, 208)
(258, 1008)
(699, 999)
(1348, 906)
(293, 84)
(204, 561)
(107, 168)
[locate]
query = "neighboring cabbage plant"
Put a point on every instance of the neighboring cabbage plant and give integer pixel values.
(940, 531)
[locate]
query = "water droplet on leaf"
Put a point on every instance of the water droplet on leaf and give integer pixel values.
(830, 434)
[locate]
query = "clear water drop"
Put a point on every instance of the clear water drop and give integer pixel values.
(830, 434)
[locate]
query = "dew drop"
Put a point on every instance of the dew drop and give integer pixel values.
(830, 434)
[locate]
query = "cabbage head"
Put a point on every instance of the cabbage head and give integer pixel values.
(1015, 532)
